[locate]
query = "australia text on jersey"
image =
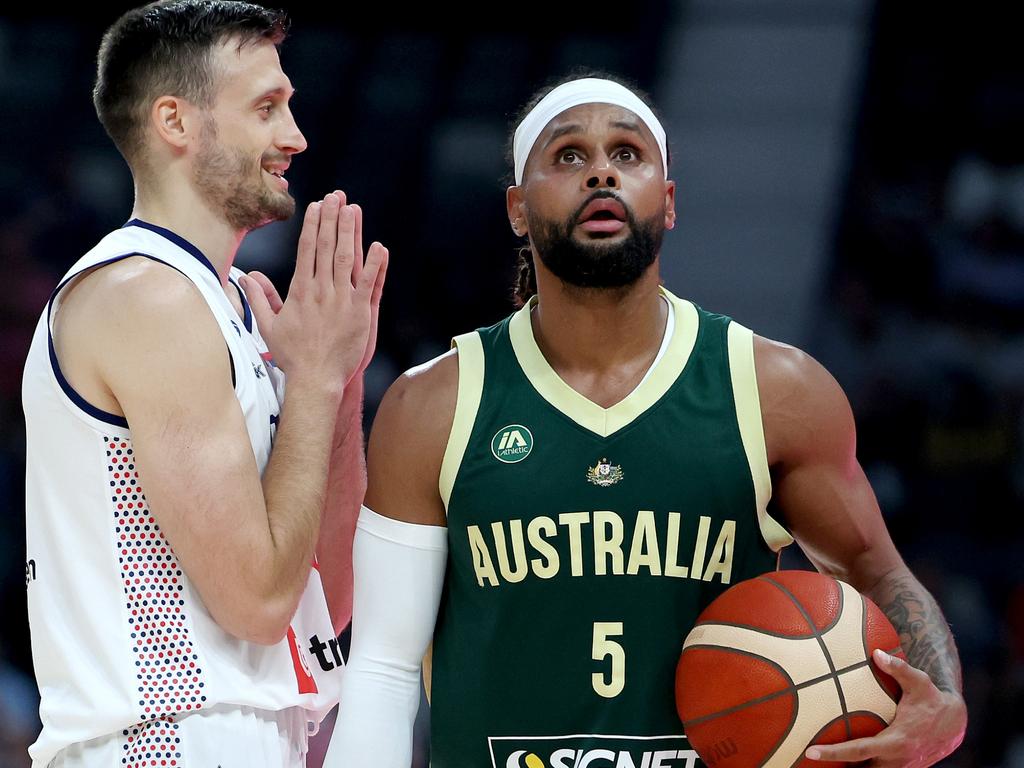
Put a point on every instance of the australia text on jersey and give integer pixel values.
(615, 550)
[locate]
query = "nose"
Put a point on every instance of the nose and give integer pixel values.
(291, 140)
(603, 174)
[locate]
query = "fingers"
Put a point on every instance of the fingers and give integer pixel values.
(258, 303)
(852, 751)
(331, 250)
(327, 239)
(376, 262)
(378, 284)
(268, 290)
(909, 677)
(357, 245)
(344, 250)
(305, 259)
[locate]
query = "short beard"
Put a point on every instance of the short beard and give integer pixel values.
(223, 177)
(595, 264)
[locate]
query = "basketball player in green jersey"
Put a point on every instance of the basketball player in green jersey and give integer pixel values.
(554, 501)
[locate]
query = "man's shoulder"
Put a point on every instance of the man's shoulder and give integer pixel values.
(802, 404)
(425, 388)
(786, 367)
(136, 284)
(425, 396)
(136, 306)
(415, 416)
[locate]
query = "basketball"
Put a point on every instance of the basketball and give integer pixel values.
(780, 662)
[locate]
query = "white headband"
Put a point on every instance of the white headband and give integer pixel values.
(589, 90)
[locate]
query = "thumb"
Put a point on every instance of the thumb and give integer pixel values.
(909, 677)
(268, 288)
(259, 305)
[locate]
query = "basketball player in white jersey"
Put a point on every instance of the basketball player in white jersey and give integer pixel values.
(180, 616)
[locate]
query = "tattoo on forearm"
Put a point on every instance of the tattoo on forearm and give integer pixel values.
(923, 631)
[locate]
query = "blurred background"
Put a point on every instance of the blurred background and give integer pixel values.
(851, 181)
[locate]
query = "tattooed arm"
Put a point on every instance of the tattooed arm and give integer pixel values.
(924, 634)
(820, 491)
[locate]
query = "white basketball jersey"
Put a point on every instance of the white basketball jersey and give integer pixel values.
(121, 640)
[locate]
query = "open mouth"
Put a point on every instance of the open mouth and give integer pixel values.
(604, 215)
(278, 173)
(603, 209)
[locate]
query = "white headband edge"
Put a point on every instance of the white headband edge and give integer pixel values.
(573, 94)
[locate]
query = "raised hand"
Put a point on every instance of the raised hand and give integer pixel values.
(324, 328)
(378, 286)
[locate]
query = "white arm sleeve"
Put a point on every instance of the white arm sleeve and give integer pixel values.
(399, 571)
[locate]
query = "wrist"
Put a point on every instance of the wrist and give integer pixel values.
(350, 413)
(327, 388)
(353, 397)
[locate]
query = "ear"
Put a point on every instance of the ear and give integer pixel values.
(670, 205)
(515, 205)
(175, 120)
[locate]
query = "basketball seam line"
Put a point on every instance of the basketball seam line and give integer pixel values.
(790, 690)
(818, 635)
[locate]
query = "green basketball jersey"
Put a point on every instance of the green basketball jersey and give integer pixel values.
(583, 543)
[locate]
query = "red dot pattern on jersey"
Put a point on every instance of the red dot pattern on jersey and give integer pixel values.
(155, 744)
(166, 664)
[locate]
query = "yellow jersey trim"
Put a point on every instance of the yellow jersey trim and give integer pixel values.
(748, 415)
(586, 413)
(471, 388)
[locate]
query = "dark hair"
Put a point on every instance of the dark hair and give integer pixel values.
(166, 47)
(526, 278)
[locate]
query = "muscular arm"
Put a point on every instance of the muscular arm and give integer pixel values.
(408, 441)
(823, 495)
(144, 339)
(924, 634)
(245, 544)
(399, 558)
(346, 487)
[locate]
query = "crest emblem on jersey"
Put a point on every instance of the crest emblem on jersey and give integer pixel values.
(512, 444)
(604, 473)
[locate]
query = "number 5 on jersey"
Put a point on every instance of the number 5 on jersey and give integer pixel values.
(609, 683)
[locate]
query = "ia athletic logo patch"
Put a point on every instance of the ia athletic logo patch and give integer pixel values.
(512, 444)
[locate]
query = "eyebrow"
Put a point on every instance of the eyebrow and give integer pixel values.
(576, 128)
(279, 91)
(627, 125)
(565, 130)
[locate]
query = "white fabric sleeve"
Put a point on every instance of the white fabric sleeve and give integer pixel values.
(398, 570)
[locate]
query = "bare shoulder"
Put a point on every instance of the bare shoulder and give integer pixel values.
(408, 442)
(803, 408)
(423, 398)
(151, 315)
(134, 294)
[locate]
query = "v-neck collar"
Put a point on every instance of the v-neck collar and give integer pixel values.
(588, 414)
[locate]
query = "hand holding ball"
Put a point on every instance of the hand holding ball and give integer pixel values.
(781, 662)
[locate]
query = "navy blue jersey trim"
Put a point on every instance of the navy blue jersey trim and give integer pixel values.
(65, 385)
(247, 313)
(178, 240)
(231, 362)
(77, 399)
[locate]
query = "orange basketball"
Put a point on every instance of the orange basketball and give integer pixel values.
(780, 662)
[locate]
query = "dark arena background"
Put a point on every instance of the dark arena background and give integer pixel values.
(851, 181)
